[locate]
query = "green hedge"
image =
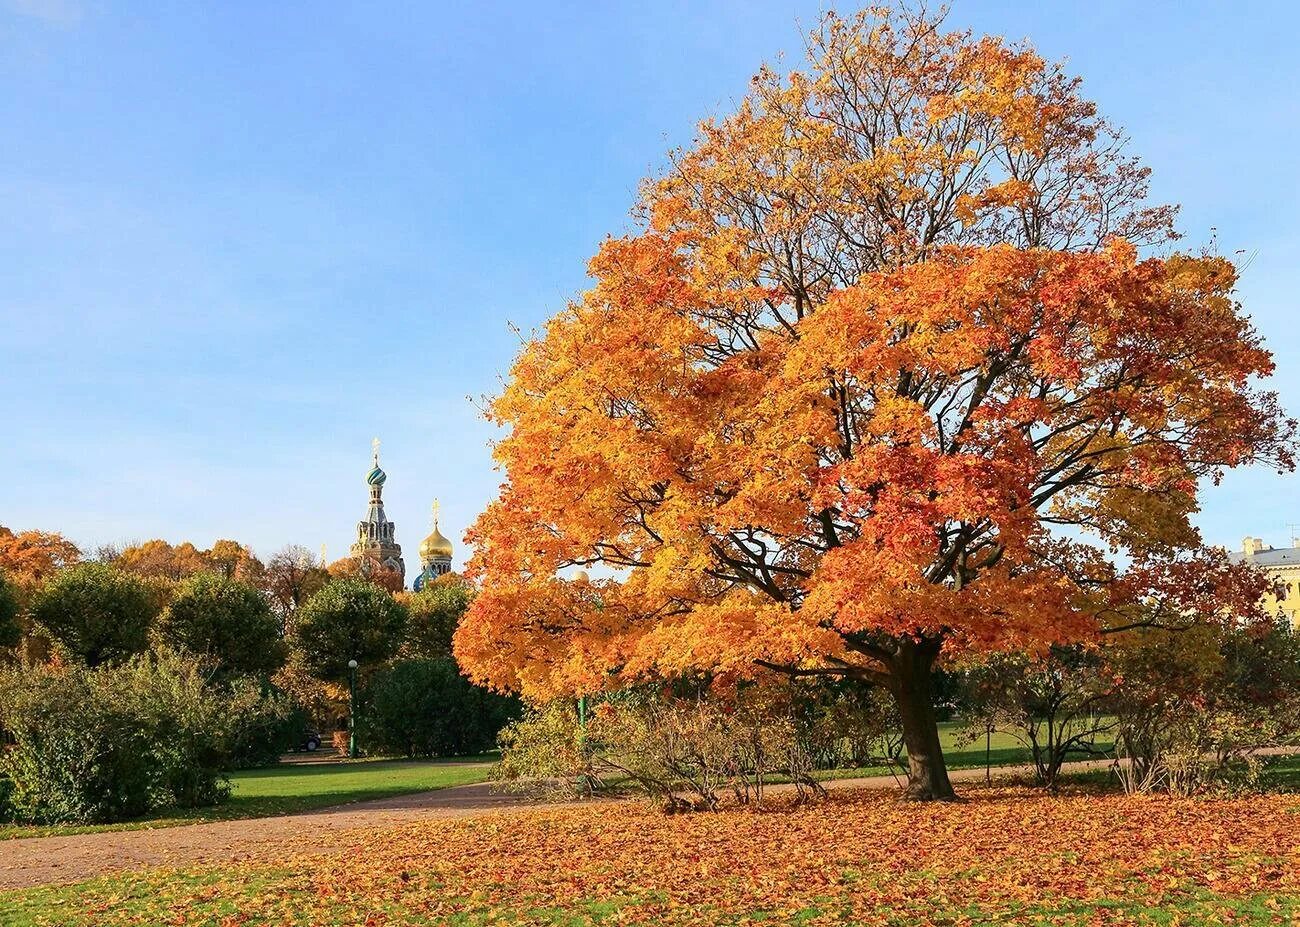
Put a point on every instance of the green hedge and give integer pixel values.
(115, 742)
(427, 708)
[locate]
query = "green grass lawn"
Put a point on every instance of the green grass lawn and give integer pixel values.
(300, 787)
(1281, 774)
(1003, 749)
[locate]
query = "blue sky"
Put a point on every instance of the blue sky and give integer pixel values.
(241, 239)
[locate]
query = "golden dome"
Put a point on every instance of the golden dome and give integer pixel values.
(435, 545)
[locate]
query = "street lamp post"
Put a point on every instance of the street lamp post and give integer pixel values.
(352, 709)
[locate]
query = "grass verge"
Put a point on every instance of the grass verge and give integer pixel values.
(290, 788)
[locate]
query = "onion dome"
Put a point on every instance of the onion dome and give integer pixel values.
(435, 546)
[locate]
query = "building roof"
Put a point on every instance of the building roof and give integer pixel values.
(1270, 557)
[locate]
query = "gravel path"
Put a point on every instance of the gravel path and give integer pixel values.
(55, 860)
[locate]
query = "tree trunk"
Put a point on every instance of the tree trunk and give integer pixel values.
(911, 677)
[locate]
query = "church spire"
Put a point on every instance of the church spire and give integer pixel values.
(377, 536)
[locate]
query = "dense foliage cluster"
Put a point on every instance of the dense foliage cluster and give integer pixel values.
(11, 631)
(107, 744)
(1188, 709)
(227, 623)
(136, 680)
(348, 620)
(424, 707)
(96, 613)
(686, 750)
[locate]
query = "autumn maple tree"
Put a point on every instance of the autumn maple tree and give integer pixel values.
(31, 557)
(887, 373)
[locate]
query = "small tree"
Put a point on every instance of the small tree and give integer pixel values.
(434, 613)
(291, 578)
(1056, 705)
(96, 612)
(225, 621)
(235, 561)
(349, 619)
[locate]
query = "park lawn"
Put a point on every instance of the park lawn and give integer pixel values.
(1001, 749)
(292, 787)
(1004, 855)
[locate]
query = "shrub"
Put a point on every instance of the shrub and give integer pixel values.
(546, 749)
(111, 743)
(227, 622)
(684, 749)
(189, 729)
(79, 753)
(846, 723)
(266, 724)
(427, 708)
(1055, 705)
(95, 612)
(1196, 707)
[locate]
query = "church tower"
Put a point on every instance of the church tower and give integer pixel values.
(435, 555)
(376, 536)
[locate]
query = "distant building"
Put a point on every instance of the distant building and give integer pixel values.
(1280, 564)
(376, 535)
(435, 554)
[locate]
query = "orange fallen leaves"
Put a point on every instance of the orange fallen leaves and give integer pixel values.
(1003, 856)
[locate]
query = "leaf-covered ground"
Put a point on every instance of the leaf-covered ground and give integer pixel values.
(1002, 856)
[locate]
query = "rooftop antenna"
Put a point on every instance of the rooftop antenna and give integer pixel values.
(1294, 536)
